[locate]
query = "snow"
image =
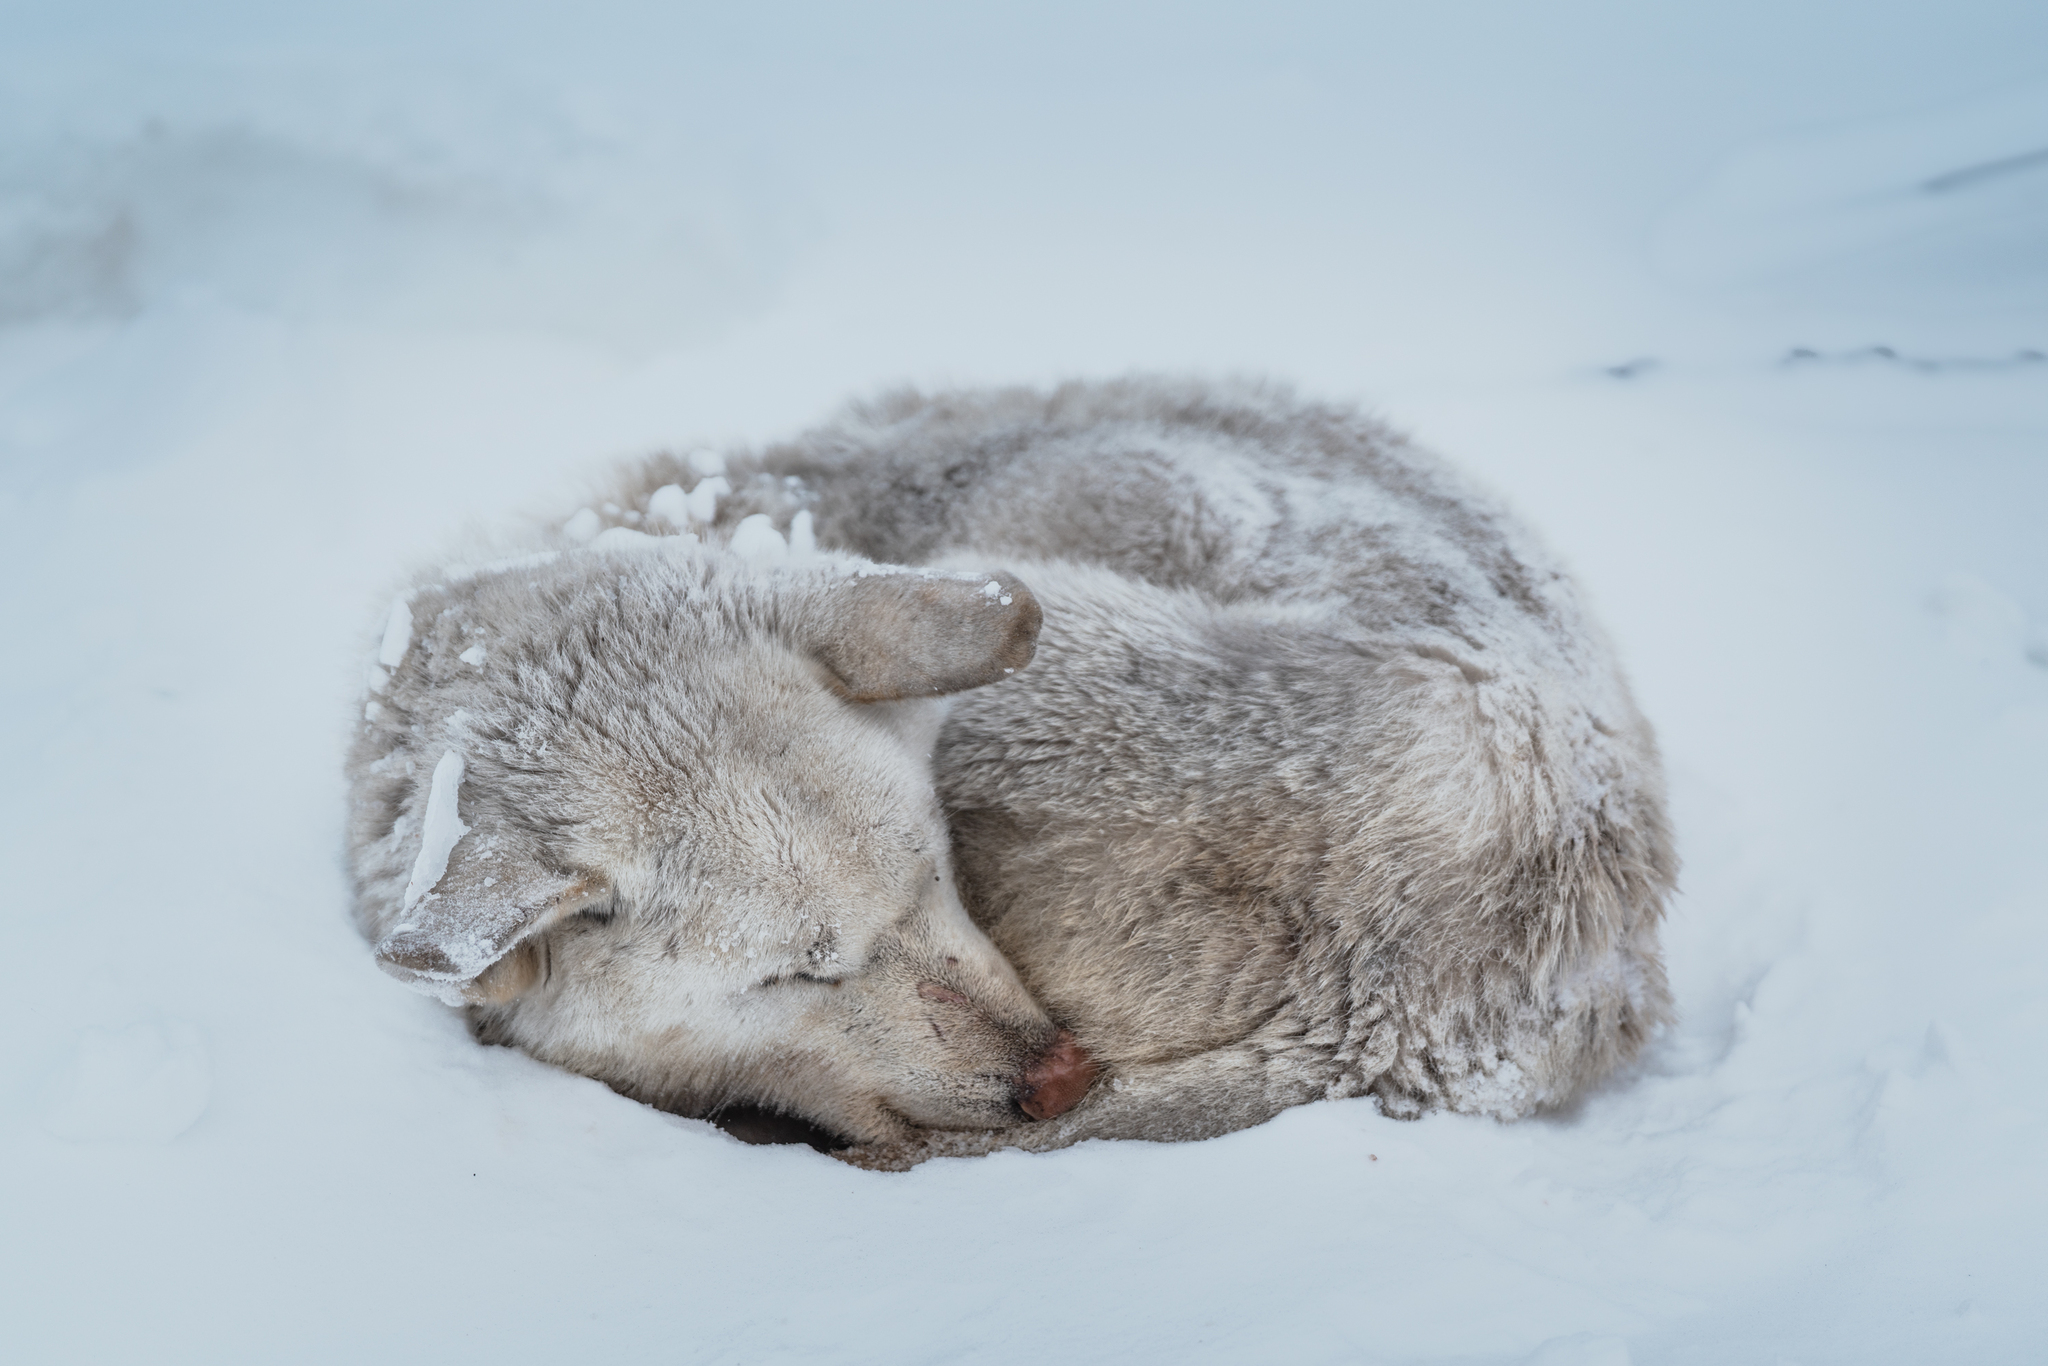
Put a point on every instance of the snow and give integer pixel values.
(803, 538)
(1951, 199)
(459, 573)
(146, 1082)
(1982, 623)
(702, 504)
(755, 538)
(671, 504)
(626, 538)
(583, 526)
(440, 830)
(397, 635)
(293, 300)
(473, 656)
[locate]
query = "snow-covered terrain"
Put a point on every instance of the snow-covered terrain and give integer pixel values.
(1743, 306)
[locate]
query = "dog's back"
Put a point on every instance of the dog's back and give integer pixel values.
(1322, 783)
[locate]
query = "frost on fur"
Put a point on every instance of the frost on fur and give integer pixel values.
(442, 828)
(1321, 782)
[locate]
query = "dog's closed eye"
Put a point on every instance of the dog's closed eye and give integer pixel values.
(781, 979)
(603, 913)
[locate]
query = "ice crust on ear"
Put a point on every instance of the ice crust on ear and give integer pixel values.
(911, 634)
(494, 895)
(440, 832)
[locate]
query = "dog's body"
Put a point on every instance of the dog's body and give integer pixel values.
(1321, 783)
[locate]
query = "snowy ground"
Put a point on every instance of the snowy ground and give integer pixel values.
(287, 302)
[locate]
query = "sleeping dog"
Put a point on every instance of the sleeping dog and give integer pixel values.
(1011, 768)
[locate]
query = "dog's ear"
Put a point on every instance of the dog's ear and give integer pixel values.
(466, 937)
(909, 634)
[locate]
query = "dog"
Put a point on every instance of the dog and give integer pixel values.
(1012, 768)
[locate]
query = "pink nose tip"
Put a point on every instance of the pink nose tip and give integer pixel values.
(1061, 1076)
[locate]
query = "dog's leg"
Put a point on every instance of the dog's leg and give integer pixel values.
(1217, 1092)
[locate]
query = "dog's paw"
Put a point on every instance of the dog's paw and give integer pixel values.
(882, 1157)
(902, 1156)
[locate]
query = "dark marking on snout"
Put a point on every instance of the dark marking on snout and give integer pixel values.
(935, 991)
(944, 995)
(1058, 1079)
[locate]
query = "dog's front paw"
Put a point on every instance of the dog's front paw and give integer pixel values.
(902, 1155)
(882, 1157)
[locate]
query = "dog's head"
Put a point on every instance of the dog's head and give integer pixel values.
(668, 820)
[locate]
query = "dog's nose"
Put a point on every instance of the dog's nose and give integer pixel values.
(1061, 1076)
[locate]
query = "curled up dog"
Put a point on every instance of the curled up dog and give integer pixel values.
(1015, 768)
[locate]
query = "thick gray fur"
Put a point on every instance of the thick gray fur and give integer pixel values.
(1322, 783)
